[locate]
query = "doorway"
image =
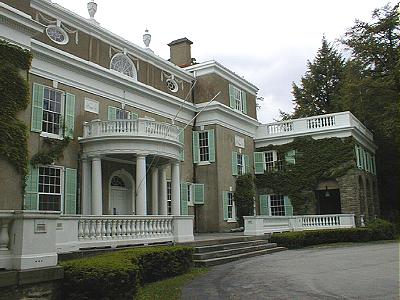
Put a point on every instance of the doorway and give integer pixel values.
(121, 194)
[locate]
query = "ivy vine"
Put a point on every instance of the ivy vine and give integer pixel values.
(14, 95)
(52, 151)
(316, 160)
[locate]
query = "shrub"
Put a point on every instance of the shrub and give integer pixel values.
(117, 275)
(376, 230)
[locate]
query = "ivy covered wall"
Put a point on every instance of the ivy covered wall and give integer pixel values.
(315, 161)
(14, 95)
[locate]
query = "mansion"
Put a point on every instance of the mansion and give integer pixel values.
(150, 148)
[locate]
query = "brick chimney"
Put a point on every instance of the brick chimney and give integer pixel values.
(180, 52)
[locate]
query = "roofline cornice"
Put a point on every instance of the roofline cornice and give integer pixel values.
(73, 19)
(213, 66)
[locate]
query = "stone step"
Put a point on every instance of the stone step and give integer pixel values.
(228, 245)
(222, 260)
(225, 240)
(233, 251)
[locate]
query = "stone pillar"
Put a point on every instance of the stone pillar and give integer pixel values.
(175, 189)
(86, 187)
(97, 195)
(163, 191)
(154, 191)
(141, 202)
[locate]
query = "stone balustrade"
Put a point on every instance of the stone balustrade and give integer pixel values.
(258, 225)
(312, 125)
(137, 127)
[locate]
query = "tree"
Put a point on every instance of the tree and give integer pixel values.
(244, 196)
(371, 91)
(318, 92)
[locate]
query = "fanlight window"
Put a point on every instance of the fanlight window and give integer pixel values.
(121, 63)
(117, 181)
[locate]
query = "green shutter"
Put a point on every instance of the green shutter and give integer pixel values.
(70, 191)
(225, 204)
(246, 164)
(231, 97)
(373, 165)
(69, 115)
(258, 162)
(37, 107)
(132, 116)
(234, 163)
(31, 197)
(112, 113)
(211, 145)
(244, 102)
(290, 157)
(357, 149)
(264, 210)
(288, 206)
(198, 193)
(196, 149)
(182, 140)
(184, 199)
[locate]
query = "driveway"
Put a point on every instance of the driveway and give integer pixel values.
(357, 271)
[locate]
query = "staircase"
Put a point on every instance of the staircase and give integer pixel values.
(219, 251)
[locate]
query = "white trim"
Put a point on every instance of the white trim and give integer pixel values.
(54, 64)
(214, 67)
(85, 25)
(62, 187)
(62, 31)
(220, 114)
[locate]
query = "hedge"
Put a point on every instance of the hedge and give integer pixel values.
(376, 230)
(118, 275)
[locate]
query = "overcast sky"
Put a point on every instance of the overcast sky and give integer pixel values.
(266, 42)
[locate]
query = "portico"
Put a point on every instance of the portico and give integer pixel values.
(146, 148)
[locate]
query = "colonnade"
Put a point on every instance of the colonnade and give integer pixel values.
(92, 198)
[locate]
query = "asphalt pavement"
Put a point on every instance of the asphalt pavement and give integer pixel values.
(357, 271)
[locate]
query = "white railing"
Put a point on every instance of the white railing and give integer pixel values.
(137, 127)
(123, 227)
(82, 232)
(311, 125)
(257, 225)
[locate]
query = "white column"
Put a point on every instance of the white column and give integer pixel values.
(141, 202)
(163, 191)
(175, 189)
(97, 195)
(86, 187)
(154, 191)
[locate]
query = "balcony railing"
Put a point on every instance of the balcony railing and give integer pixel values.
(257, 225)
(312, 125)
(141, 127)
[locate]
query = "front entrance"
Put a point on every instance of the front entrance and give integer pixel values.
(121, 195)
(328, 202)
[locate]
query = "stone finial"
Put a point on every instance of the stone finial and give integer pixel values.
(146, 38)
(92, 8)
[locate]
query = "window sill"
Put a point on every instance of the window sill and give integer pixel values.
(203, 163)
(231, 221)
(51, 136)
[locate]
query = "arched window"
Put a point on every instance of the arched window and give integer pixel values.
(117, 181)
(122, 63)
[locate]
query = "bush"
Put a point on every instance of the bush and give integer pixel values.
(376, 230)
(117, 275)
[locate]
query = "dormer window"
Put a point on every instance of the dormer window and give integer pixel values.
(122, 64)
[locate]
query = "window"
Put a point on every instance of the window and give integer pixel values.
(57, 34)
(49, 188)
(237, 99)
(123, 114)
(231, 207)
(189, 194)
(115, 113)
(122, 64)
(169, 198)
(203, 146)
(272, 160)
(117, 181)
(277, 205)
(53, 112)
(52, 104)
(240, 164)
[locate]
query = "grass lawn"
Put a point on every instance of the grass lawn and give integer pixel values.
(168, 289)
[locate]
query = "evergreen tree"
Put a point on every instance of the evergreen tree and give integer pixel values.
(318, 92)
(371, 91)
